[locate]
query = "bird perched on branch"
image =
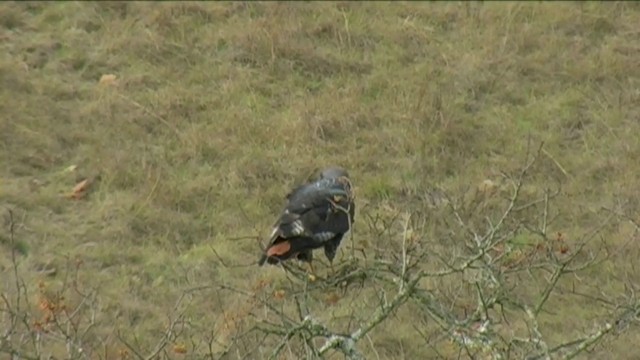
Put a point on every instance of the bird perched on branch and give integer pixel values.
(317, 215)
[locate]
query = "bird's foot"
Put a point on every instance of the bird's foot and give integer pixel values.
(311, 273)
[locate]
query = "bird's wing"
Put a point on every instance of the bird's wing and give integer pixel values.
(313, 211)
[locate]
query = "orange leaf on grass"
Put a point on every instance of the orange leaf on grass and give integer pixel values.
(332, 298)
(108, 79)
(180, 349)
(80, 190)
(279, 294)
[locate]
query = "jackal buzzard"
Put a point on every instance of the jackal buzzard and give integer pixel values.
(317, 215)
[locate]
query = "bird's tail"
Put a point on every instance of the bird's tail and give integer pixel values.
(275, 252)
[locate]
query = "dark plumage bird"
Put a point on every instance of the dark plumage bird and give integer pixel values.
(317, 215)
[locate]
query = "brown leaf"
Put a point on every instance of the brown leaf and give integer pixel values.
(487, 186)
(108, 79)
(332, 298)
(80, 189)
(43, 304)
(499, 249)
(279, 294)
(262, 283)
(124, 354)
(180, 349)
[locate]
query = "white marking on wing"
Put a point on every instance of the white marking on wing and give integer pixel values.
(298, 228)
(273, 233)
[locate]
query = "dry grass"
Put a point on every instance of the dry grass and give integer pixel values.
(219, 108)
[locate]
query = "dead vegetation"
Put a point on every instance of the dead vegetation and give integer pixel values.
(194, 119)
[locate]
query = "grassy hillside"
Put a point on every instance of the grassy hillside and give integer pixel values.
(216, 110)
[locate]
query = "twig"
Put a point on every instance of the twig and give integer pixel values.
(225, 264)
(549, 288)
(347, 344)
(156, 116)
(131, 348)
(14, 262)
(404, 253)
(555, 162)
(291, 333)
(536, 332)
(172, 324)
